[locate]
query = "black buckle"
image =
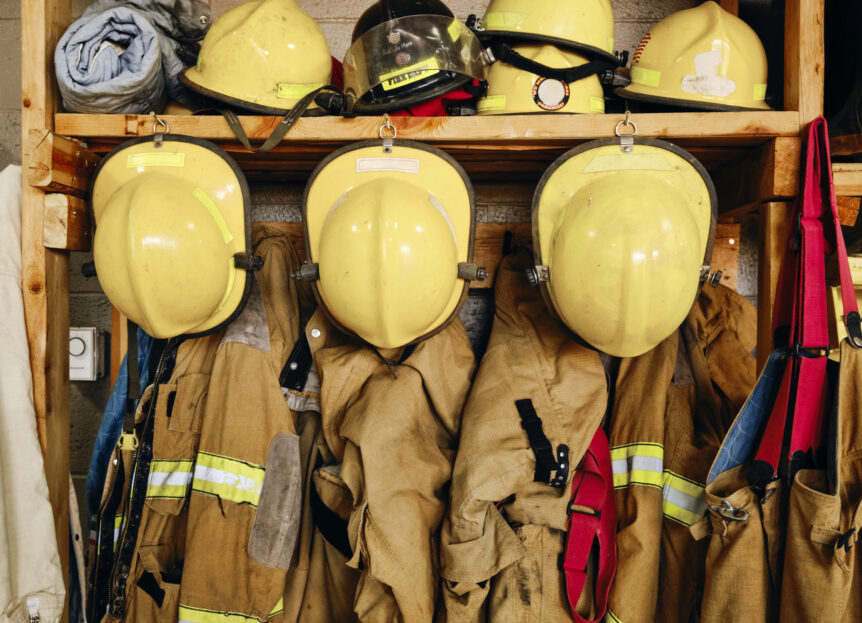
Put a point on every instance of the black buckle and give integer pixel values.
(853, 322)
(247, 261)
(844, 540)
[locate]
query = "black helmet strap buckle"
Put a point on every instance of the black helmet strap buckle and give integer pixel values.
(505, 53)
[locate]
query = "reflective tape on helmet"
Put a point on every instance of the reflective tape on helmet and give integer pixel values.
(189, 614)
(643, 464)
(638, 464)
(612, 618)
(169, 479)
(228, 478)
(684, 500)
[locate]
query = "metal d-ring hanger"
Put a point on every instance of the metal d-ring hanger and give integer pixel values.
(627, 139)
(385, 137)
(158, 136)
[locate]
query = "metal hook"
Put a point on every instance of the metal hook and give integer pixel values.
(626, 140)
(158, 136)
(727, 511)
(387, 140)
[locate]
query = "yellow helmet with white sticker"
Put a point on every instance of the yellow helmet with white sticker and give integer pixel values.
(703, 58)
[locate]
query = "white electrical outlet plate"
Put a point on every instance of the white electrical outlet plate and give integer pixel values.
(86, 353)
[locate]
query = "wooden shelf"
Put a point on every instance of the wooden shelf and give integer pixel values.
(521, 145)
(847, 179)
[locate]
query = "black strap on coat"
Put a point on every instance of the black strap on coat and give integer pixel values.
(546, 460)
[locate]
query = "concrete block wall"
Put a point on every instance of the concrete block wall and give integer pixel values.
(89, 306)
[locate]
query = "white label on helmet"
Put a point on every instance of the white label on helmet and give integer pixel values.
(628, 162)
(399, 165)
(156, 159)
(706, 79)
(550, 94)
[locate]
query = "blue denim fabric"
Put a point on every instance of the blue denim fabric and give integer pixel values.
(743, 435)
(112, 423)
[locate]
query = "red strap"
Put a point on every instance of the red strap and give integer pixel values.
(592, 518)
(800, 321)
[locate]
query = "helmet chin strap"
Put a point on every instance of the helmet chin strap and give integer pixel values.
(328, 97)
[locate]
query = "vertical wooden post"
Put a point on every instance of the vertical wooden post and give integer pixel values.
(804, 58)
(45, 272)
(772, 240)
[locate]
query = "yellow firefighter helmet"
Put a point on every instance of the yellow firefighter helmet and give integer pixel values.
(622, 240)
(703, 58)
(512, 90)
(262, 56)
(389, 235)
(580, 25)
(173, 235)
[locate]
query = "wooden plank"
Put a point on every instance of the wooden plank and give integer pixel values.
(510, 131)
(487, 246)
(804, 58)
(775, 220)
(848, 210)
(764, 174)
(847, 178)
(725, 253)
(66, 223)
(119, 342)
(848, 145)
(45, 282)
(59, 164)
(731, 6)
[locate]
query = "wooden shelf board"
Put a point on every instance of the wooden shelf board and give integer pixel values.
(847, 178)
(502, 132)
(521, 146)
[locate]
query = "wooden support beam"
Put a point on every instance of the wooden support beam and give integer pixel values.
(731, 6)
(59, 164)
(772, 239)
(725, 253)
(847, 179)
(847, 145)
(804, 58)
(764, 174)
(509, 132)
(45, 282)
(66, 223)
(848, 210)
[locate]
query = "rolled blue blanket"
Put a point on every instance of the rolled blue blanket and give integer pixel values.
(124, 56)
(111, 63)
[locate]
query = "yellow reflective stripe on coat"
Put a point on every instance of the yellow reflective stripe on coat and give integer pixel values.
(638, 464)
(612, 618)
(643, 464)
(684, 500)
(119, 520)
(201, 615)
(169, 479)
(228, 479)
